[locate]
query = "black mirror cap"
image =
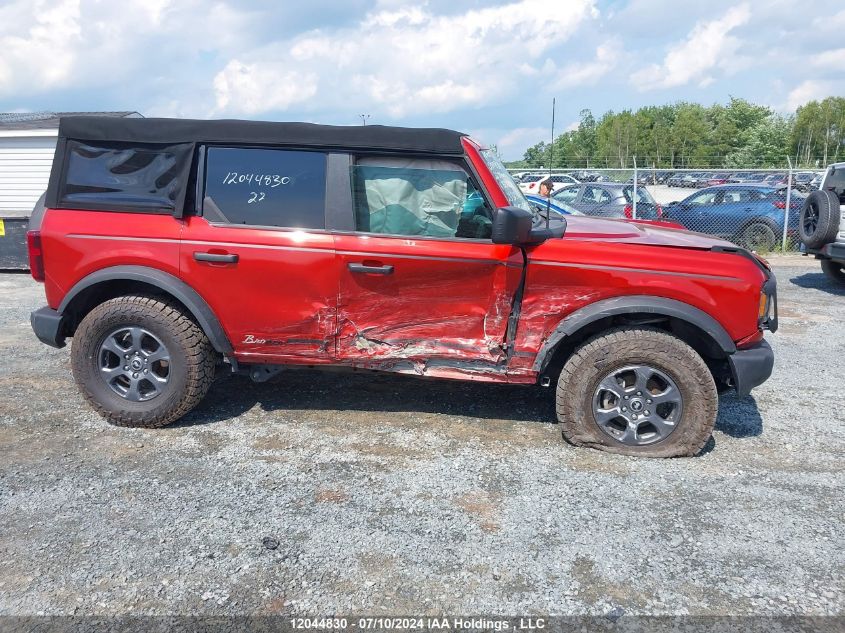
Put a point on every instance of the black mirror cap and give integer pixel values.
(512, 225)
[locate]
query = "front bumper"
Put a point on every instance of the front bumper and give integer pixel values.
(47, 325)
(751, 367)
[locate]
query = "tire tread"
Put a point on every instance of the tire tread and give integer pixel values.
(200, 361)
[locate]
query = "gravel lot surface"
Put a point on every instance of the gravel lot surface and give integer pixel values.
(379, 494)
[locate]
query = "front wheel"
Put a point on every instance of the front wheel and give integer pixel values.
(637, 391)
(141, 362)
(834, 270)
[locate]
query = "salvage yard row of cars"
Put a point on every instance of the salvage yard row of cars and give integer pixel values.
(749, 214)
(804, 181)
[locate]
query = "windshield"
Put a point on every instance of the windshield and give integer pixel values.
(512, 192)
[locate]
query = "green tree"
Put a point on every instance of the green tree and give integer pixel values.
(767, 144)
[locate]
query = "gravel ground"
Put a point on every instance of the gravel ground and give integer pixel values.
(379, 494)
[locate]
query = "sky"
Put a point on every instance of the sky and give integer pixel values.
(489, 68)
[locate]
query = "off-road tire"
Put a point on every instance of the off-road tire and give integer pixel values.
(834, 270)
(192, 360)
(616, 349)
(819, 220)
(758, 236)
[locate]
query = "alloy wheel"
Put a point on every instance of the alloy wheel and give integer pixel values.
(637, 405)
(134, 363)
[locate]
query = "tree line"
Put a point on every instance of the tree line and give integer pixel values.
(739, 134)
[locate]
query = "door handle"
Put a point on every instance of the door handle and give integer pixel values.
(217, 258)
(387, 269)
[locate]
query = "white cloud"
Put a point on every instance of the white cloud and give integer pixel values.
(38, 46)
(708, 46)
(49, 45)
(578, 74)
(833, 59)
(408, 60)
(254, 88)
(812, 89)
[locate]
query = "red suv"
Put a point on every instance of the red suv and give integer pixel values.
(173, 249)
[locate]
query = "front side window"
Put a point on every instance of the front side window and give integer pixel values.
(265, 187)
(419, 198)
(708, 197)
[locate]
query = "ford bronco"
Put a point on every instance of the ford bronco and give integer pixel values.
(174, 249)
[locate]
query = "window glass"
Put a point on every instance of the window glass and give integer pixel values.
(505, 181)
(835, 181)
(416, 197)
(708, 197)
(733, 196)
(567, 194)
(642, 195)
(120, 175)
(265, 187)
(596, 195)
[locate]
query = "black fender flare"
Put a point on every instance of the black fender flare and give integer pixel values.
(165, 282)
(628, 305)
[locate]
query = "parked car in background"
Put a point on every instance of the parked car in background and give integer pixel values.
(585, 175)
(748, 215)
(749, 177)
(803, 179)
(822, 224)
(610, 200)
(541, 204)
(683, 179)
(718, 179)
(559, 180)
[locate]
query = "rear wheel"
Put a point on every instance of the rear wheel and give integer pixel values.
(141, 362)
(758, 236)
(834, 270)
(637, 391)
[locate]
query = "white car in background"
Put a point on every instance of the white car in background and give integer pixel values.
(531, 182)
(822, 223)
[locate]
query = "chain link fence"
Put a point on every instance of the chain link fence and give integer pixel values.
(755, 208)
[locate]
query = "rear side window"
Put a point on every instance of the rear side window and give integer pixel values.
(835, 181)
(642, 195)
(123, 177)
(417, 197)
(265, 187)
(596, 195)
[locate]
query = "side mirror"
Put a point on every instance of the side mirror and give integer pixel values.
(513, 225)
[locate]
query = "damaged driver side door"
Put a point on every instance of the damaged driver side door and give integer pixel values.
(422, 288)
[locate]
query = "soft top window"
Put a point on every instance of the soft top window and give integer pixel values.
(265, 187)
(124, 177)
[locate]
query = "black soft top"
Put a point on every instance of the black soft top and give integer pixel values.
(173, 131)
(144, 165)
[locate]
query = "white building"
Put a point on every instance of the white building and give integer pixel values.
(27, 144)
